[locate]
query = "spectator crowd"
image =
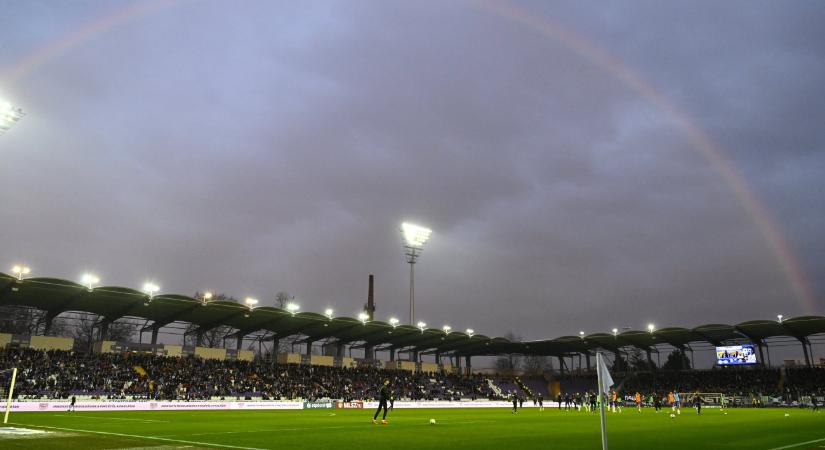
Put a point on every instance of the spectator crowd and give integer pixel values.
(59, 374)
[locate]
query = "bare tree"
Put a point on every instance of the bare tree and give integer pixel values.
(213, 337)
(535, 363)
(282, 298)
(21, 320)
(509, 361)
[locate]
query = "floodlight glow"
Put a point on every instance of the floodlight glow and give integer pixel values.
(150, 288)
(9, 115)
(650, 327)
(328, 312)
(447, 328)
(20, 271)
(393, 322)
(581, 333)
(779, 316)
(615, 331)
(251, 301)
(422, 325)
(90, 280)
(470, 332)
(207, 296)
(414, 235)
(363, 317)
(292, 307)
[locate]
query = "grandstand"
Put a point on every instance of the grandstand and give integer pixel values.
(163, 379)
(57, 296)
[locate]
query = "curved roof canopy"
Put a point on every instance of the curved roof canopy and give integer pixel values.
(56, 296)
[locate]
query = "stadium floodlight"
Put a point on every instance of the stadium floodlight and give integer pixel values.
(581, 334)
(615, 332)
(414, 239)
(9, 115)
(779, 317)
(292, 307)
(394, 322)
(150, 288)
(206, 298)
(250, 303)
(21, 270)
(90, 280)
(422, 326)
(328, 312)
(447, 329)
(363, 317)
(651, 327)
(470, 332)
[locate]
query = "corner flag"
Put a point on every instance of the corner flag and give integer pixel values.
(605, 381)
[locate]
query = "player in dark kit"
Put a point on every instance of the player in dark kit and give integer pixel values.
(541, 402)
(515, 403)
(71, 405)
(384, 395)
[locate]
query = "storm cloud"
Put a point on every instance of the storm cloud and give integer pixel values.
(254, 147)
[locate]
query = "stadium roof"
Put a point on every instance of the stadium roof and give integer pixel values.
(57, 296)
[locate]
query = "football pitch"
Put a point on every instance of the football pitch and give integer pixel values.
(410, 429)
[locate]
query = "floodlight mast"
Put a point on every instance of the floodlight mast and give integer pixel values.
(414, 239)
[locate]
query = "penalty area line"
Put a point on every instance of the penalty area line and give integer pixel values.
(154, 438)
(800, 444)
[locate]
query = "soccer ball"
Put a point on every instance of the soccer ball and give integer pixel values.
(787, 415)
(672, 416)
(432, 421)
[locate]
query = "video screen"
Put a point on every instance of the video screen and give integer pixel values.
(736, 354)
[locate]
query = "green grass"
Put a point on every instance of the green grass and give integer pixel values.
(409, 429)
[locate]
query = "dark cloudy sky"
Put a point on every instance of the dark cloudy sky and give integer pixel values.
(251, 147)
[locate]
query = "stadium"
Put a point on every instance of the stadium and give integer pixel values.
(474, 224)
(155, 382)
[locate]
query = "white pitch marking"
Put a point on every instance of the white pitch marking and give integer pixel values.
(156, 438)
(799, 444)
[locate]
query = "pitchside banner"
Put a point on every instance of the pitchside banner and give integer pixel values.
(217, 405)
(152, 406)
(319, 405)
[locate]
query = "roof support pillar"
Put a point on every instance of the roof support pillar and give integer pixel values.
(469, 366)
(339, 350)
(309, 348)
(239, 342)
(104, 329)
(804, 343)
(561, 365)
(392, 354)
(587, 357)
(649, 359)
(155, 330)
(49, 322)
(759, 345)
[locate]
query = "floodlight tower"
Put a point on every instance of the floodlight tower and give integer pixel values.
(414, 239)
(9, 115)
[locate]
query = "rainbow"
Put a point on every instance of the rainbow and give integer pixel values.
(710, 150)
(45, 54)
(575, 43)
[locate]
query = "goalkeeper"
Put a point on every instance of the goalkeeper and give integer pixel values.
(384, 396)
